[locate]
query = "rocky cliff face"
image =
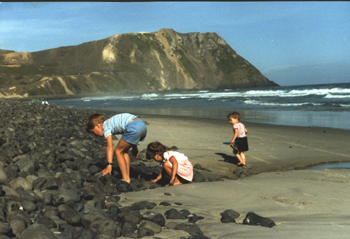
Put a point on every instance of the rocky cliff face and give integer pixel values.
(139, 62)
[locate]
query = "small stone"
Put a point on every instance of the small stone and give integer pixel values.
(132, 235)
(106, 227)
(71, 216)
(173, 214)
(154, 217)
(47, 222)
(123, 187)
(198, 177)
(11, 193)
(151, 226)
(25, 164)
(32, 232)
(229, 215)
(191, 228)
(171, 225)
(4, 228)
(18, 224)
(3, 175)
(192, 218)
(47, 199)
(145, 232)
(165, 204)
(28, 206)
(128, 228)
(21, 182)
(143, 205)
(185, 213)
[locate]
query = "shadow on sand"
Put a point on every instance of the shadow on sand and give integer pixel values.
(228, 158)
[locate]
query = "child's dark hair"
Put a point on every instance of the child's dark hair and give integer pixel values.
(154, 148)
(93, 120)
(234, 115)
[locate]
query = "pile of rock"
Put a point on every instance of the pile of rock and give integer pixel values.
(51, 182)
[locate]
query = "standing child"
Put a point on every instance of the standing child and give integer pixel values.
(133, 130)
(239, 137)
(175, 164)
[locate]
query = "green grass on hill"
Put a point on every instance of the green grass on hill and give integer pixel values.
(24, 70)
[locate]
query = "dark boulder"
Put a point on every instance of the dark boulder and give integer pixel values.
(154, 217)
(128, 228)
(28, 206)
(143, 205)
(18, 225)
(229, 215)
(106, 227)
(254, 219)
(123, 186)
(47, 222)
(198, 177)
(39, 183)
(12, 171)
(173, 214)
(145, 232)
(85, 233)
(32, 232)
(189, 227)
(154, 227)
(4, 228)
(193, 218)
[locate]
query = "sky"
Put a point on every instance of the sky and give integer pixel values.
(291, 43)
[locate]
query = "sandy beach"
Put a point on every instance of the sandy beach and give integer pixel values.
(302, 203)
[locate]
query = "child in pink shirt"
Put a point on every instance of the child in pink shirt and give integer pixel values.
(239, 137)
(177, 165)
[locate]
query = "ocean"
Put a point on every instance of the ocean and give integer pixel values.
(326, 105)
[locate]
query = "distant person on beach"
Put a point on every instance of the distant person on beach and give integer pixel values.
(133, 130)
(175, 164)
(239, 141)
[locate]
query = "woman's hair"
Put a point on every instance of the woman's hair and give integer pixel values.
(93, 120)
(154, 148)
(234, 115)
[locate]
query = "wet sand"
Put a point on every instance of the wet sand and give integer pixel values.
(271, 147)
(302, 203)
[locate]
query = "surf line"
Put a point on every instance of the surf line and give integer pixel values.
(322, 150)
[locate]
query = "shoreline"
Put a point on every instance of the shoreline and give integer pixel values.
(310, 112)
(332, 120)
